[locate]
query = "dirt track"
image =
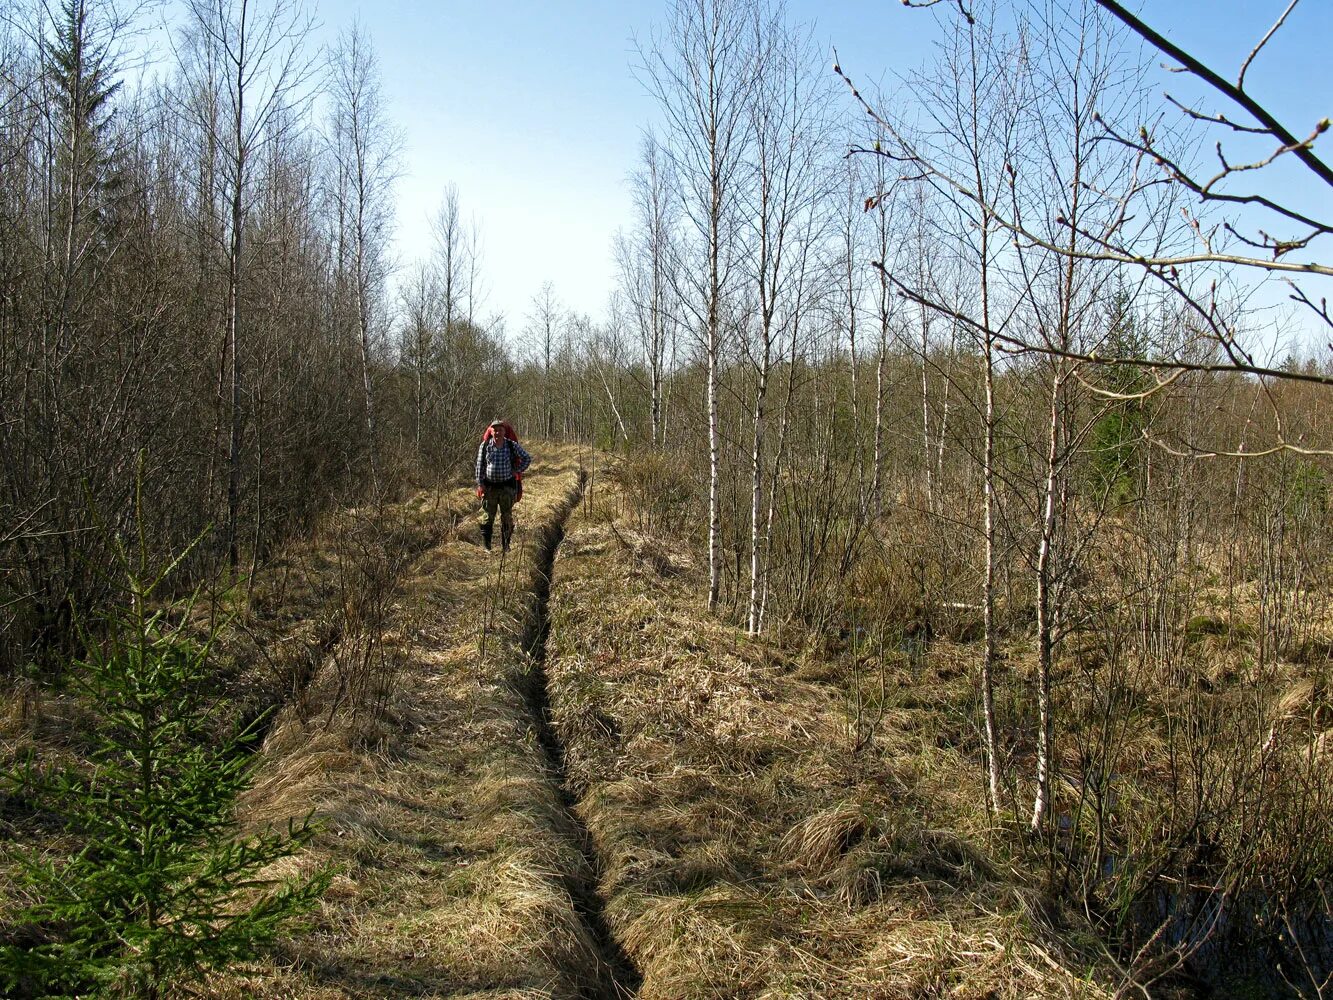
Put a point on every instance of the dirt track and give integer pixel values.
(665, 810)
(461, 868)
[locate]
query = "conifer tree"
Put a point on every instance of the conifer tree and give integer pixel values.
(81, 75)
(1117, 441)
(159, 887)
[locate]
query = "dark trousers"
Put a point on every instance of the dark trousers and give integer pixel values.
(499, 498)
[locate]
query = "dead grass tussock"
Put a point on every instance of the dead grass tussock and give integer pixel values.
(21, 705)
(746, 852)
(502, 922)
(707, 937)
(821, 840)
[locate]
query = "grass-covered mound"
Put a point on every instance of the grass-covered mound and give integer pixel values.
(747, 850)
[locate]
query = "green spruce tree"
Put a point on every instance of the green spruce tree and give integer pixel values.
(1116, 443)
(159, 888)
(81, 77)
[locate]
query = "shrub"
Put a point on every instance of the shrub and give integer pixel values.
(661, 490)
(158, 886)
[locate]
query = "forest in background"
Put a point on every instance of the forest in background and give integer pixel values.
(196, 300)
(982, 373)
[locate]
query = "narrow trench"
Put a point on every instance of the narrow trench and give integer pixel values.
(618, 978)
(257, 720)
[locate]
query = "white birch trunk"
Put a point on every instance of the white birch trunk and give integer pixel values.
(988, 595)
(757, 553)
(714, 457)
(925, 409)
(1045, 612)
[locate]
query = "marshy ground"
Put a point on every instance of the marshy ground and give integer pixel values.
(548, 774)
(579, 786)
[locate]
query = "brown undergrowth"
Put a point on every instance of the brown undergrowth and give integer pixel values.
(747, 850)
(395, 647)
(456, 867)
(319, 600)
(274, 627)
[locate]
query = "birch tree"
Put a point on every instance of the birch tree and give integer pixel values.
(647, 259)
(1014, 149)
(1064, 289)
(986, 118)
(262, 65)
(422, 333)
(701, 71)
(544, 328)
(453, 257)
(364, 147)
(787, 187)
(972, 113)
(882, 203)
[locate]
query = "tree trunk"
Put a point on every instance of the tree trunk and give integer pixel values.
(877, 463)
(925, 409)
(233, 317)
(1045, 612)
(988, 595)
(758, 554)
(233, 344)
(714, 436)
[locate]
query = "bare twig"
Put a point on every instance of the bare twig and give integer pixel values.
(1240, 80)
(1198, 69)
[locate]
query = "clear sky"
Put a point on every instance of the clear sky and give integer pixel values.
(532, 109)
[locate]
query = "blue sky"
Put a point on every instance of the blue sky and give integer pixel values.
(532, 109)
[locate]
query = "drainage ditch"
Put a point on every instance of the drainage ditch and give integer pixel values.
(618, 978)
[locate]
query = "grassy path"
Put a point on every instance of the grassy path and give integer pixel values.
(579, 787)
(461, 871)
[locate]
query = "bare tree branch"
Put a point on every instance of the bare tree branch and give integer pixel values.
(1261, 114)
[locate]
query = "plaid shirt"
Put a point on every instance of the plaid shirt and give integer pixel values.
(496, 465)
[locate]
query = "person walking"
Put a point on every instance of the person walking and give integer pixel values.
(501, 462)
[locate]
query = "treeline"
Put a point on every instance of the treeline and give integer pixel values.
(194, 305)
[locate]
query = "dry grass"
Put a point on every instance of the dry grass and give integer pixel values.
(747, 852)
(274, 630)
(743, 849)
(1191, 720)
(452, 857)
(325, 594)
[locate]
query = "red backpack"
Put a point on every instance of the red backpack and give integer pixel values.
(511, 439)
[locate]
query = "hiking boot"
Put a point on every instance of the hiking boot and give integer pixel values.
(486, 531)
(506, 534)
